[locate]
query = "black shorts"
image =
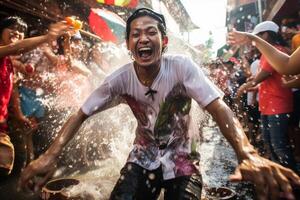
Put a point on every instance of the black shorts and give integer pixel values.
(137, 183)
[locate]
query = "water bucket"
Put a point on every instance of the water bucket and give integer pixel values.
(220, 193)
(56, 189)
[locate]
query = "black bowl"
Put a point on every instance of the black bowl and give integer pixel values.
(220, 193)
(54, 189)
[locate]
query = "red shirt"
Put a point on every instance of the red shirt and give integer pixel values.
(273, 97)
(6, 86)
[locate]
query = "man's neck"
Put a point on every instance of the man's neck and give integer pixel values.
(147, 74)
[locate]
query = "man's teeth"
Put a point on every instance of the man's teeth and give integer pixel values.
(145, 49)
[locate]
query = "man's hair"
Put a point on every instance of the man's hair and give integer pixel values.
(12, 21)
(147, 12)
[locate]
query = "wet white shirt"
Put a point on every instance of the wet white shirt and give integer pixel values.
(163, 136)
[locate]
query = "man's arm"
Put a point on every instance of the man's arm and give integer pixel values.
(270, 180)
(231, 129)
(67, 132)
(48, 159)
(281, 62)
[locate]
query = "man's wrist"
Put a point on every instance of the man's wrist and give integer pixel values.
(246, 154)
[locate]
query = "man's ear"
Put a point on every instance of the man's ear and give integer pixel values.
(165, 41)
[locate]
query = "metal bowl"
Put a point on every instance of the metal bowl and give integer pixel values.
(220, 193)
(55, 189)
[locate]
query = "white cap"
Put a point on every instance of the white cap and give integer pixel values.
(265, 26)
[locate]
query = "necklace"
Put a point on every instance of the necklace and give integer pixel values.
(148, 79)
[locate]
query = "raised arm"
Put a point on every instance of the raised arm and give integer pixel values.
(280, 61)
(55, 30)
(44, 163)
(270, 179)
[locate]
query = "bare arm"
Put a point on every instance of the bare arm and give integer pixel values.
(80, 68)
(260, 77)
(281, 62)
(22, 46)
(270, 179)
(292, 83)
(27, 44)
(48, 159)
(66, 133)
(50, 55)
(231, 129)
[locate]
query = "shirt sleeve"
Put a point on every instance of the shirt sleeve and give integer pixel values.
(198, 86)
(99, 100)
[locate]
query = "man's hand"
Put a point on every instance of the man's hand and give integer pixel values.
(44, 167)
(271, 180)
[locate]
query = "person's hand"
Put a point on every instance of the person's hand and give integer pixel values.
(29, 123)
(242, 90)
(58, 29)
(238, 38)
(43, 167)
(271, 180)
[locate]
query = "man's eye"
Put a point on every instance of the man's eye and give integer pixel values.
(152, 33)
(135, 34)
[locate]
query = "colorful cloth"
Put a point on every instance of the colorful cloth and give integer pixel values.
(164, 134)
(7, 154)
(6, 86)
(31, 104)
(123, 3)
(273, 97)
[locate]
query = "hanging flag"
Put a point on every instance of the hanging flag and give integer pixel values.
(122, 3)
(107, 25)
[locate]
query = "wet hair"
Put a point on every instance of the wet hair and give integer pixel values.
(150, 13)
(11, 21)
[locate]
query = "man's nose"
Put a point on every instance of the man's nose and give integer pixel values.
(144, 38)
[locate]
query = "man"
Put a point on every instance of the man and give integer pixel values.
(159, 89)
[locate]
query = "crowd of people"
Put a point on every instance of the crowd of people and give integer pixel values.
(263, 90)
(158, 88)
(41, 75)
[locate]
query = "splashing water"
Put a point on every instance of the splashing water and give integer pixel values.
(100, 149)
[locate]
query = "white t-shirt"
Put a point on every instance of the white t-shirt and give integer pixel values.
(253, 69)
(163, 136)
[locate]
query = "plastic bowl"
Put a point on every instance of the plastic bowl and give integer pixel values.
(55, 189)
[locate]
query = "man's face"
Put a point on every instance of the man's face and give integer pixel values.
(12, 34)
(145, 41)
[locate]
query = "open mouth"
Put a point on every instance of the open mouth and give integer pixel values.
(145, 52)
(14, 38)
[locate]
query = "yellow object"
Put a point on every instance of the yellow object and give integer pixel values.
(295, 42)
(7, 154)
(77, 24)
